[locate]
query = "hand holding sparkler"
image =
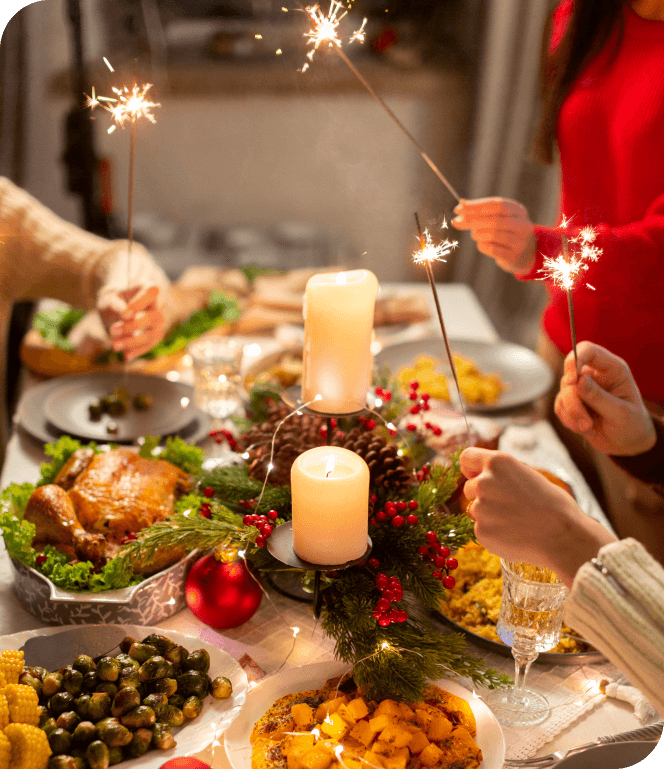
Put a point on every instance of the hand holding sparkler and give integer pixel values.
(133, 319)
(604, 403)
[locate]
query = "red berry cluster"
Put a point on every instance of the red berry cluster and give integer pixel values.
(438, 555)
(333, 425)
(391, 591)
(386, 395)
(219, 436)
(248, 504)
(126, 540)
(208, 493)
(370, 424)
(262, 523)
(399, 513)
(421, 403)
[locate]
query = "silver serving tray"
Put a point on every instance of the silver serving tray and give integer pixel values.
(157, 597)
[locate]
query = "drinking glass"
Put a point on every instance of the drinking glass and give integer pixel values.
(216, 364)
(531, 615)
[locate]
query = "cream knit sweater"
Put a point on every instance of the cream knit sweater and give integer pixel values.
(41, 255)
(621, 612)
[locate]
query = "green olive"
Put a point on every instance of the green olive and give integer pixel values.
(125, 700)
(155, 667)
(68, 720)
(60, 741)
(193, 682)
(221, 688)
(140, 743)
(97, 755)
(162, 739)
(59, 703)
(84, 664)
(167, 686)
(108, 669)
(142, 717)
(84, 734)
(198, 660)
(192, 707)
(72, 680)
(51, 684)
(113, 733)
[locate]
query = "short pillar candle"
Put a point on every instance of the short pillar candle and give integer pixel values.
(330, 498)
(338, 324)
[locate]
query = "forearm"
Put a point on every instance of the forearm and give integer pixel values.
(649, 466)
(621, 612)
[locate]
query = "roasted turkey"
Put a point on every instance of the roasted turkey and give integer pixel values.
(96, 500)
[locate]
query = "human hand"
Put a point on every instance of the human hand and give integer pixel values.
(604, 404)
(502, 230)
(521, 516)
(133, 319)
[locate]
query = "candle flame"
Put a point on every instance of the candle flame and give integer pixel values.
(564, 270)
(329, 467)
(340, 280)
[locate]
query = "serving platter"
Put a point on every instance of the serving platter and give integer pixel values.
(195, 735)
(526, 376)
(260, 698)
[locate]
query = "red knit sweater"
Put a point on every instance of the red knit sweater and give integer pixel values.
(610, 135)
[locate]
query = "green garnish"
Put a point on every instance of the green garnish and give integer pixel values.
(55, 325)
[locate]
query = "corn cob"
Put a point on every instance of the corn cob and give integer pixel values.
(3, 680)
(4, 711)
(5, 751)
(30, 748)
(11, 665)
(23, 702)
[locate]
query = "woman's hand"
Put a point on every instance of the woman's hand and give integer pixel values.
(604, 404)
(502, 230)
(133, 319)
(521, 516)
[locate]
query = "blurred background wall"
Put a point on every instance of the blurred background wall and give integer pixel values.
(252, 160)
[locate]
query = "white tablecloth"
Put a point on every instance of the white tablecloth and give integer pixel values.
(267, 637)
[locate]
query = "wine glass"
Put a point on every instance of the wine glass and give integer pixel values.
(531, 615)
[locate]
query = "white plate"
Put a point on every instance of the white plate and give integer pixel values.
(196, 735)
(526, 375)
(612, 756)
(238, 748)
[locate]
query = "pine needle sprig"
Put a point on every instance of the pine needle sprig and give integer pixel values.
(233, 485)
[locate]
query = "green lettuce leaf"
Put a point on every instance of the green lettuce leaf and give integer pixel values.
(55, 325)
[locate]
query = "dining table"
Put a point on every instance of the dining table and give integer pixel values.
(266, 643)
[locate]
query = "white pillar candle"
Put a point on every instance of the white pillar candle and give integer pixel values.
(330, 496)
(338, 323)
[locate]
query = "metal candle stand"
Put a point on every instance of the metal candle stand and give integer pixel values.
(280, 543)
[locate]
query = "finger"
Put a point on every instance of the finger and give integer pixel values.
(490, 207)
(142, 300)
(144, 320)
(473, 460)
(571, 411)
(138, 345)
(499, 251)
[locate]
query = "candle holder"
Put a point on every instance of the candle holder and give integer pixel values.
(280, 545)
(292, 397)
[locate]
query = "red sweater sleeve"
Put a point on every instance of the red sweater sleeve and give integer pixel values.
(648, 467)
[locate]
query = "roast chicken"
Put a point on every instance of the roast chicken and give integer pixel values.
(97, 500)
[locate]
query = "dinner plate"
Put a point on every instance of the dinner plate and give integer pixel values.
(195, 735)
(238, 748)
(67, 406)
(31, 417)
(616, 755)
(524, 373)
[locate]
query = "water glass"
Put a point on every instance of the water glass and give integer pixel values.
(216, 362)
(530, 620)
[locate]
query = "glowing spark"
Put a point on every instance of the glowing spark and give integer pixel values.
(258, 37)
(108, 63)
(92, 101)
(127, 105)
(430, 252)
(360, 35)
(564, 270)
(384, 646)
(278, 51)
(326, 28)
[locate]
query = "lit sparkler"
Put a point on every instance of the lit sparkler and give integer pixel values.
(566, 268)
(427, 253)
(325, 29)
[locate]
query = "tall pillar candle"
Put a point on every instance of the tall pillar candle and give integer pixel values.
(330, 497)
(338, 323)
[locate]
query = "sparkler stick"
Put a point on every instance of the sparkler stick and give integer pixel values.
(429, 253)
(570, 307)
(325, 31)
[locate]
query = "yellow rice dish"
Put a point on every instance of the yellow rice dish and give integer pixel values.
(475, 385)
(474, 602)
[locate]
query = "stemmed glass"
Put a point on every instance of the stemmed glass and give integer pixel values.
(531, 615)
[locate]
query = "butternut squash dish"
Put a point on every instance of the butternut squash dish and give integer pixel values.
(336, 727)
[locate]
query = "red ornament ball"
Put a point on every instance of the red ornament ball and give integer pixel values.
(222, 595)
(185, 763)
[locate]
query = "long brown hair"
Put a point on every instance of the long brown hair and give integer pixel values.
(590, 26)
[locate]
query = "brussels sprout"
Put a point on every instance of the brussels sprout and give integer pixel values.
(141, 717)
(193, 682)
(178, 656)
(198, 660)
(173, 716)
(140, 743)
(125, 700)
(167, 686)
(128, 678)
(109, 687)
(68, 720)
(99, 706)
(90, 681)
(115, 755)
(126, 643)
(48, 724)
(59, 703)
(162, 739)
(108, 669)
(178, 700)
(28, 680)
(162, 643)
(155, 667)
(81, 760)
(51, 684)
(142, 652)
(38, 672)
(60, 741)
(158, 702)
(82, 706)
(84, 734)
(97, 755)
(125, 661)
(141, 401)
(72, 680)
(192, 707)
(62, 762)
(221, 688)
(113, 733)
(84, 664)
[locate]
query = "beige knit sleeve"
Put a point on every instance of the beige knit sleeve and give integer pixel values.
(41, 255)
(620, 610)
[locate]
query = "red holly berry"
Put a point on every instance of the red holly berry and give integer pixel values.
(383, 605)
(379, 392)
(381, 516)
(374, 563)
(266, 530)
(443, 550)
(247, 520)
(374, 499)
(410, 426)
(449, 582)
(393, 614)
(41, 558)
(431, 537)
(381, 581)
(403, 616)
(401, 506)
(439, 561)
(272, 515)
(390, 505)
(413, 505)
(208, 492)
(370, 424)
(452, 563)
(437, 431)
(415, 409)
(412, 396)
(412, 520)
(414, 385)
(424, 550)
(426, 407)
(322, 431)
(437, 574)
(377, 613)
(373, 522)
(394, 581)
(333, 422)
(398, 521)
(398, 593)
(361, 564)
(384, 620)
(387, 395)
(391, 513)
(205, 510)
(388, 595)
(425, 397)
(260, 541)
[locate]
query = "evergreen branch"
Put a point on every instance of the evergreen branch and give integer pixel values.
(233, 484)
